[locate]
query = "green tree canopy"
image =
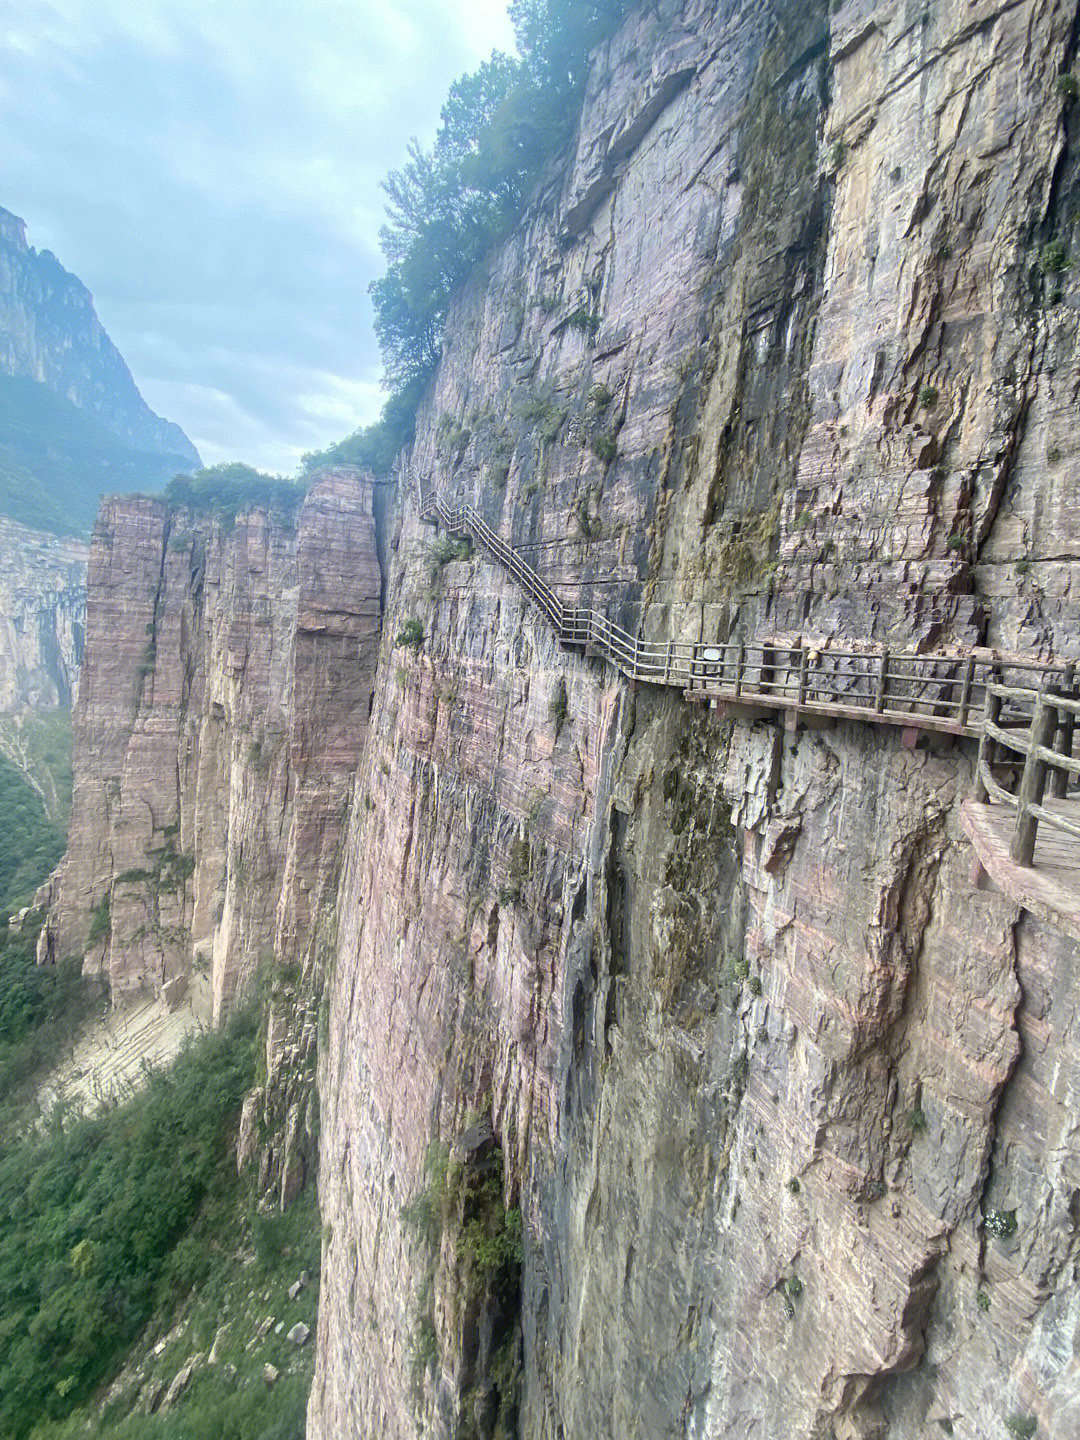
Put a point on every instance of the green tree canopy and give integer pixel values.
(448, 205)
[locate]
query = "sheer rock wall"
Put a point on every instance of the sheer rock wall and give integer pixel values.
(760, 1060)
(42, 618)
(224, 705)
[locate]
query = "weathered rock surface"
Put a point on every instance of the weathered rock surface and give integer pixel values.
(224, 707)
(42, 618)
(759, 1058)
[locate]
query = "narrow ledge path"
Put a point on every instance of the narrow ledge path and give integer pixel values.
(1022, 711)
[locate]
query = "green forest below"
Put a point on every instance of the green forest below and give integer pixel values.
(113, 1224)
(33, 844)
(57, 461)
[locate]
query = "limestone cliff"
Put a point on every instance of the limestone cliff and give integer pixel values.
(42, 618)
(789, 345)
(223, 708)
(49, 332)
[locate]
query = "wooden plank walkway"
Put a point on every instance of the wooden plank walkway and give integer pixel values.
(1047, 887)
(916, 691)
(1000, 699)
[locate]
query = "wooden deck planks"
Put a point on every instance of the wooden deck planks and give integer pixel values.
(1048, 887)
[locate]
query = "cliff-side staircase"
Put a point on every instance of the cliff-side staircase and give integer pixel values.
(1023, 713)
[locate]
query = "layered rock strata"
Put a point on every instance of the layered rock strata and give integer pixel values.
(42, 618)
(787, 346)
(223, 708)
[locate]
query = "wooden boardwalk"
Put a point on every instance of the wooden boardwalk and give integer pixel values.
(1024, 713)
(1048, 887)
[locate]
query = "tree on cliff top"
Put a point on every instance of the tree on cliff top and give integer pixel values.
(228, 488)
(448, 205)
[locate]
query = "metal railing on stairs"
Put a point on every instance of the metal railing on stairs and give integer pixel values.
(957, 694)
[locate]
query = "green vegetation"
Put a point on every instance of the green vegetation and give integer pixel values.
(463, 1203)
(411, 634)
(1068, 87)
(916, 1119)
(225, 490)
(605, 448)
(46, 744)
(42, 1008)
(1000, 1223)
(33, 844)
(588, 524)
(982, 1300)
(834, 157)
(445, 550)
(793, 1185)
(538, 409)
(246, 1255)
(558, 706)
(518, 872)
(793, 1287)
(448, 205)
(374, 447)
(1023, 1426)
(451, 436)
(1054, 257)
(56, 461)
(928, 396)
(104, 1221)
(100, 922)
(584, 320)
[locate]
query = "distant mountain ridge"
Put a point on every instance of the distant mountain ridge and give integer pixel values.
(49, 332)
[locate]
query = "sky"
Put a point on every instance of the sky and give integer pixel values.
(211, 170)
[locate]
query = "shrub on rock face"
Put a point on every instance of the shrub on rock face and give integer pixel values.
(411, 635)
(1000, 1223)
(1054, 258)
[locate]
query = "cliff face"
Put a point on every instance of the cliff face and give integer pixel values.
(789, 347)
(50, 333)
(223, 708)
(42, 618)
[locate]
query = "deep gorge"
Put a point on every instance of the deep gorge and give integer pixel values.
(664, 1071)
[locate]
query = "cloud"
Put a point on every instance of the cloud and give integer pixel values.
(212, 173)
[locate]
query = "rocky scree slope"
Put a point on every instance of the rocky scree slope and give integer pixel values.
(787, 346)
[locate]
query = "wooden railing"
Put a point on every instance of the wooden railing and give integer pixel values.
(1038, 726)
(954, 694)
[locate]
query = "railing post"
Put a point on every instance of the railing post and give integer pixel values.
(1032, 782)
(740, 663)
(804, 676)
(882, 683)
(965, 689)
(1063, 740)
(667, 662)
(991, 714)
